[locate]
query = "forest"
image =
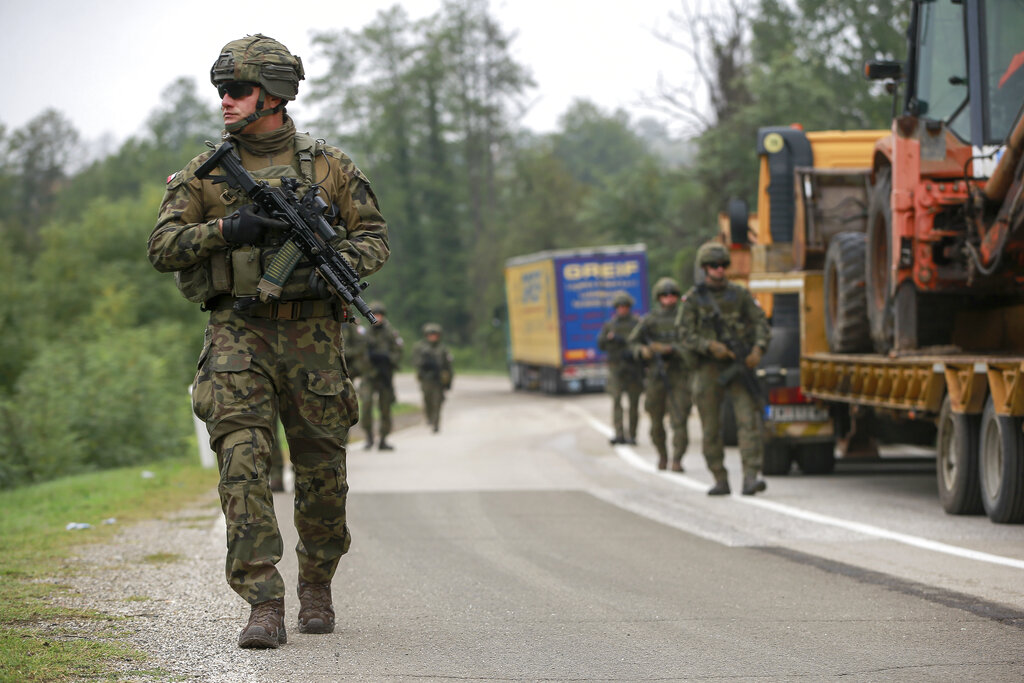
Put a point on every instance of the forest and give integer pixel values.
(97, 349)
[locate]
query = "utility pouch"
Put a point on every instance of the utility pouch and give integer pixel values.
(246, 271)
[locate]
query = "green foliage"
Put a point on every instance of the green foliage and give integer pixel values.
(108, 401)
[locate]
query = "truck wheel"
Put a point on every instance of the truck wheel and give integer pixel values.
(817, 458)
(1001, 466)
(878, 262)
(777, 458)
(515, 372)
(956, 462)
(846, 304)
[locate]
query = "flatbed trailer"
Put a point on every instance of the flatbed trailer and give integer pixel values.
(975, 399)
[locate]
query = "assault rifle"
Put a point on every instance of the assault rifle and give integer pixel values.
(738, 367)
(310, 233)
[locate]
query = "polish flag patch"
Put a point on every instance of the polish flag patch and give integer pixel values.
(172, 177)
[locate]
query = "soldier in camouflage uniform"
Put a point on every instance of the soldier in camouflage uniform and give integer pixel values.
(433, 363)
(262, 360)
(625, 372)
(667, 385)
(714, 315)
(384, 348)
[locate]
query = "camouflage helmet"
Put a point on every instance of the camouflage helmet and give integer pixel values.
(259, 59)
(263, 61)
(378, 308)
(666, 285)
(713, 252)
(431, 328)
(622, 299)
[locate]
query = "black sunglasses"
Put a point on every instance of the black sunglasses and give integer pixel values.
(718, 264)
(237, 89)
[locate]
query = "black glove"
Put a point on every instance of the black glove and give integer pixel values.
(318, 286)
(247, 225)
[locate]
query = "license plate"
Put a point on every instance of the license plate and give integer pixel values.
(798, 413)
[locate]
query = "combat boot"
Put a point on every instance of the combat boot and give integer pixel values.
(721, 487)
(266, 626)
(316, 611)
(677, 464)
(752, 485)
(367, 444)
(385, 446)
(617, 440)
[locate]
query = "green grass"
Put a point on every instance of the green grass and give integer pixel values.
(38, 641)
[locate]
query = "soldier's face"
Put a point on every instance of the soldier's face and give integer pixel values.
(668, 300)
(433, 337)
(236, 109)
(715, 273)
(622, 311)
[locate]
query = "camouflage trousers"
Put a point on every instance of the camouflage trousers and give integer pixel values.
(672, 395)
(384, 394)
(628, 382)
(433, 397)
(251, 371)
(749, 425)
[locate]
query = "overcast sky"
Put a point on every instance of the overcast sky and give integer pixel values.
(103, 63)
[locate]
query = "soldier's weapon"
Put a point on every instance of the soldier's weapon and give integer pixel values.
(738, 368)
(309, 231)
(382, 361)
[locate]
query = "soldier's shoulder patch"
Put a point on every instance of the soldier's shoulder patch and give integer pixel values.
(172, 177)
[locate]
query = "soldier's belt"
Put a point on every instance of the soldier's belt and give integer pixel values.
(282, 310)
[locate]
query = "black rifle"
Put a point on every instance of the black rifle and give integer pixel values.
(738, 367)
(310, 233)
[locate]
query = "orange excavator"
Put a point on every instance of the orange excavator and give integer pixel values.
(945, 245)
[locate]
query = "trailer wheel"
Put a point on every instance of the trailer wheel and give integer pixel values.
(956, 462)
(1001, 466)
(878, 262)
(846, 304)
(777, 458)
(817, 458)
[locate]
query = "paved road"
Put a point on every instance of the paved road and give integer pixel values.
(518, 545)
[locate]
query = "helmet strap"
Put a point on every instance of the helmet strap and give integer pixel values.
(260, 112)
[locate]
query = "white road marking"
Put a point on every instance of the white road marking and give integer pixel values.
(632, 458)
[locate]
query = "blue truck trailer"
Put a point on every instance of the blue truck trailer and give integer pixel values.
(557, 302)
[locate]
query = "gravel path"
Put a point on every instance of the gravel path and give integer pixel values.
(161, 582)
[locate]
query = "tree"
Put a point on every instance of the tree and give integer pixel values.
(38, 159)
(594, 145)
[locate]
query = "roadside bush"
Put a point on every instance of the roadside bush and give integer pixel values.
(119, 398)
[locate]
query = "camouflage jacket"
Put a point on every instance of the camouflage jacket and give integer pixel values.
(384, 348)
(742, 318)
(613, 339)
(187, 241)
(659, 325)
(433, 362)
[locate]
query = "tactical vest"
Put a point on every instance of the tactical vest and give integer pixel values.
(238, 270)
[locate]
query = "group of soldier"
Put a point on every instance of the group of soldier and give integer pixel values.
(373, 354)
(280, 346)
(698, 348)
